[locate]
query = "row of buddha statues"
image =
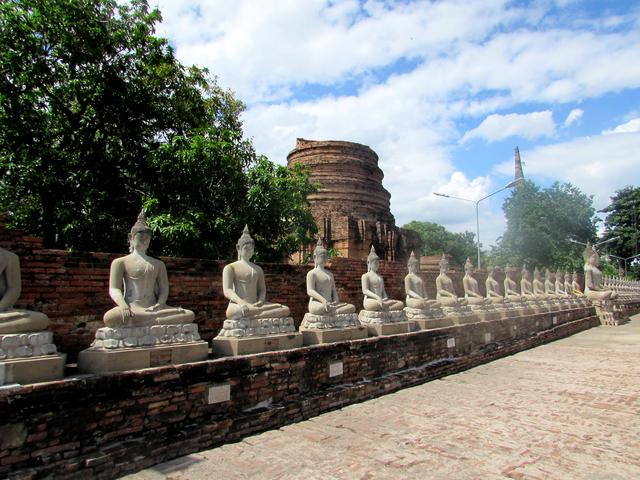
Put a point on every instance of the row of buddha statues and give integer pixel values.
(139, 287)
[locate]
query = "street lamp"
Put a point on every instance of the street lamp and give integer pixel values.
(625, 260)
(476, 202)
(595, 244)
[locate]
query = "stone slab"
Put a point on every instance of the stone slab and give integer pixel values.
(430, 323)
(33, 369)
(390, 328)
(330, 335)
(95, 360)
(464, 319)
(232, 346)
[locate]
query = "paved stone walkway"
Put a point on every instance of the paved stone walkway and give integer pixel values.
(565, 410)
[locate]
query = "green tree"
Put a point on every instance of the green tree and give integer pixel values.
(622, 221)
(437, 240)
(98, 116)
(540, 223)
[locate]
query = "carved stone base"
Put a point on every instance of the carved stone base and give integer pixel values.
(608, 313)
(464, 319)
(130, 337)
(423, 314)
(26, 345)
(233, 346)
(256, 327)
(367, 317)
(331, 335)
(459, 311)
(343, 320)
(376, 330)
(104, 360)
(428, 324)
(32, 369)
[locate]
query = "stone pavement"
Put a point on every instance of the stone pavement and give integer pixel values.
(565, 410)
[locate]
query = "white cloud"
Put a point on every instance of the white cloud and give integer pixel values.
(527, 125)
(598, 165)
(631, 126)
(574, 116)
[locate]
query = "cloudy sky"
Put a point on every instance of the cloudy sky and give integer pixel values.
(443, 91)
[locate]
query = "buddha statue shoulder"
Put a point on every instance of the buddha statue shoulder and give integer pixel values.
(375, 296)
(470, 284)
(593, 285)
(446, 294)
(414, 287)
(244, 286)
(321, 287)
(139, 286)
(13, 320)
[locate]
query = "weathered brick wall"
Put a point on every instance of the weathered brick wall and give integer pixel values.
(105, 426)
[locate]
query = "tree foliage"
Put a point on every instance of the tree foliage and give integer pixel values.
(98, 116)
(540, 223)
(623, 221)
(437, 240)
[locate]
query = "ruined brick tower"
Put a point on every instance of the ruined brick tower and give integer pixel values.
(352, 207)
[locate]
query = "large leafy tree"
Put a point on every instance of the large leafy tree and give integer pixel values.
(437, 240)
(540, 223)
(98, 116)
(622, 222)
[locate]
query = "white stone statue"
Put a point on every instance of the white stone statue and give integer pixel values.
(471, 291)
(593, 287)
(526, 287)
(538, 285)
(446, 294)
(321, 287)
(414, 287)
(559, 284)
(13, 320)
(575, 285)
(510, 287)
(375, 296)
(493, 288)
(139, 286)
(244, 286)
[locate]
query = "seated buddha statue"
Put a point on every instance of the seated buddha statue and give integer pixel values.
(446, 295)
(321, 287)
(559, 284)
(139, 286)
(538, 285)
(510, 286)
(244, 286)
(494, 295)
(567, 284)
(526, 287)
(414, 287)
(575, 285)
(13, 320)
(470, 284)
(593, 287)
(549, 285)
(375, 297)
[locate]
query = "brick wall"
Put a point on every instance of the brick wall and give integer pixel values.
(92, 426)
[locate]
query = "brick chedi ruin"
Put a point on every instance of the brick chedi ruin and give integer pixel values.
(351, 207)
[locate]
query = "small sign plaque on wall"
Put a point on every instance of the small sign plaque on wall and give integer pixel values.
(219, 393)
(336, 369)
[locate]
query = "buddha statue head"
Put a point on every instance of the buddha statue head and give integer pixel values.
(319, 253)
(413, 264)
(508, 272)
(245, 245)
(590, 256)
(140, 234)
(444, 264)
(524, 273)
(373, 261)
(536, 274)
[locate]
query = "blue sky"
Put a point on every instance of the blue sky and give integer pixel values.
(442, 91)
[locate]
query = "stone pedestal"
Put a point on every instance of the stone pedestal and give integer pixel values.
(608, 313)
(134, 348)
(232, 346)
(331, 335)
(378, 329)
(428, 318)
(430, 323)
(385, 323)
(30, 358)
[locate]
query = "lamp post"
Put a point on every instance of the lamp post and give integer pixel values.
(476, 202)
(595, 244)
(625, 260)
